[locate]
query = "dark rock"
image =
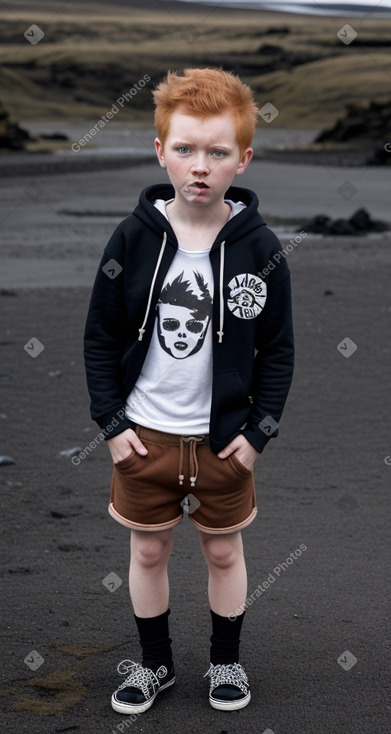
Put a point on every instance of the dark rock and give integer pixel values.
(363, 222)
(270, 50)
(363, 122)
(5, 460)
(12, 137)
(54, 136)
(341, 226)
(360, 222)
(318, 225)
(283, 29)
(7, 292)
(381, 156)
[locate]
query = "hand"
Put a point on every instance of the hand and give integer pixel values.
(243, 450)
(122, 445)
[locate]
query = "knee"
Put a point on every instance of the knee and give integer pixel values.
(219, 553)
(151, 552)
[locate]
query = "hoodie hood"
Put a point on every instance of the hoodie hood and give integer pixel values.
(237, 227)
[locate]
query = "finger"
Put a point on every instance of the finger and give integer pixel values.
(138, 446)
(226, 452)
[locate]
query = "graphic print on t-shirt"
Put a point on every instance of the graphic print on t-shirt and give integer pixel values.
(184, 312)
(247, 295)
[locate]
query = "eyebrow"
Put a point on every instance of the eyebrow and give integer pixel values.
(220, 146)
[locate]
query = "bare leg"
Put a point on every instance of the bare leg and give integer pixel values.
(148, 577)
(227, 571)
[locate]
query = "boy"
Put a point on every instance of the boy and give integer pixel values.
(189, 359)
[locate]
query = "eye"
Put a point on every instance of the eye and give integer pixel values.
(183, 149)
(171, 324)
(219, 153)
(195, 327)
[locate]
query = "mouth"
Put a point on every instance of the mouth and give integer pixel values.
(181, 346)
(200, 185)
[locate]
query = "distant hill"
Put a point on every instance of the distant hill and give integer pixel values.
(92, 53)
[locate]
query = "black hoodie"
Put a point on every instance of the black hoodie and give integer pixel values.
(251, 324)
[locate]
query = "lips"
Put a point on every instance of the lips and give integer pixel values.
(200, 184)
(181, 346)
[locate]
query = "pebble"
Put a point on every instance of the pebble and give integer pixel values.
(4, 460)
(68, 453)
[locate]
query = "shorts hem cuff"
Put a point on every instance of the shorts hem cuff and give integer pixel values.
(140, 526)
(231, 529)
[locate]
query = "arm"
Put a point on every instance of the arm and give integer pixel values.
(104, 340)
(273, 365)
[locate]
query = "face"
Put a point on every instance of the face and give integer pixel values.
(202, 157)
(180, 334)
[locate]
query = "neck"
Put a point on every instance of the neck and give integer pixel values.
(193, 216)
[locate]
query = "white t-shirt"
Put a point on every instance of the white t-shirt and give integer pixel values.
(174, 389)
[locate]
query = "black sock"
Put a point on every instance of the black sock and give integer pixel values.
(225, 639)
(155, 640)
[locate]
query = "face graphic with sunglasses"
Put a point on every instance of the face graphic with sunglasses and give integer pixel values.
(183, 317)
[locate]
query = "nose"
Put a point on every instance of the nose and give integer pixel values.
(200, 165)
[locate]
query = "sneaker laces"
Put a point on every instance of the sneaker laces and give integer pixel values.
(232, 674)
(141, 678)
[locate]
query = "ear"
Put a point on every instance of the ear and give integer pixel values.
(159, 152)
(244, 161)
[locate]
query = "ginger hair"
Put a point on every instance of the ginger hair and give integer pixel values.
(202, 93)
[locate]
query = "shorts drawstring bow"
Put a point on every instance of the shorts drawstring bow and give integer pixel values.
(192, 442)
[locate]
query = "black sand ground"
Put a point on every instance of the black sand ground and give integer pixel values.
(323, 483)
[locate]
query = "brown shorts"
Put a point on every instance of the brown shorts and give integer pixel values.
(146, 493)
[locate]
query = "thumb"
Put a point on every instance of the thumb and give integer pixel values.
(226, 452)
(138, 446)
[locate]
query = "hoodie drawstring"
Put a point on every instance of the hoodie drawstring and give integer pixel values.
(141, 331)
(220, 333)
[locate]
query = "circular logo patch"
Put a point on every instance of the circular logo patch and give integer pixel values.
(247, 295)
